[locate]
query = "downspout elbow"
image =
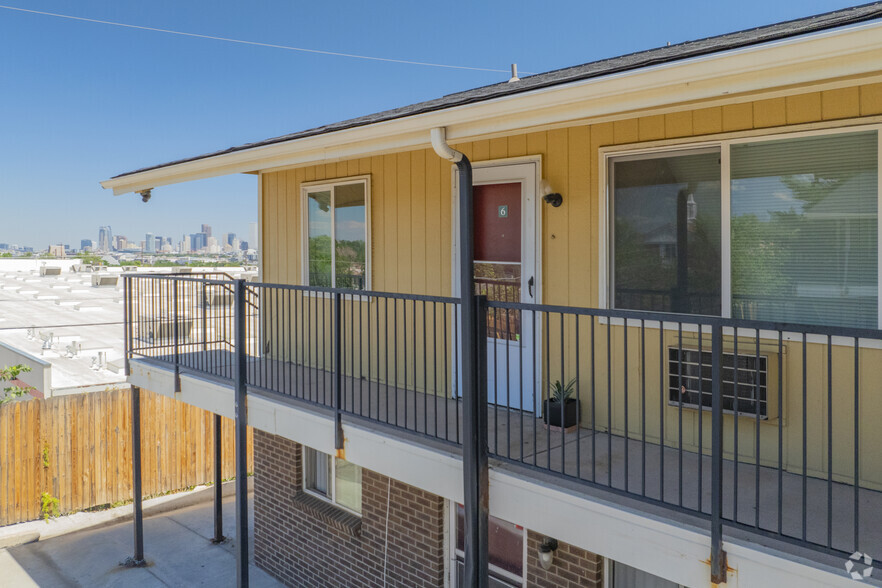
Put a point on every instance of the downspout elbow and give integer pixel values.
(439, 144)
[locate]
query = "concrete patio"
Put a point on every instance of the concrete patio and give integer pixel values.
(176, 544)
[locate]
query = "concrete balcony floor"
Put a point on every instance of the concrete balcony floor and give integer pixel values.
(786, 506)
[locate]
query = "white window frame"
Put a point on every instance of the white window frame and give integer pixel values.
(453, 554)
(331, 497)
(330, 185)
(608, 155)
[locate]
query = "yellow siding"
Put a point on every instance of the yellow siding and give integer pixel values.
(410, 243)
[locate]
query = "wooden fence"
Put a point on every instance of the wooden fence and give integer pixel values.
(78, 448)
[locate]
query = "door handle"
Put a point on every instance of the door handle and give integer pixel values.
(530, 286)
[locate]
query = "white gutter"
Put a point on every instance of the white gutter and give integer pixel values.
(848, 51)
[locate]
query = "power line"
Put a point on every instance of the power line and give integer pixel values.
(61, 326)
(255, 43)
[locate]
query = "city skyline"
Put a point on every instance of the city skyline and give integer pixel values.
(247, 234)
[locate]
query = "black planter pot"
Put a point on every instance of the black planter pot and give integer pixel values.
(570, 413)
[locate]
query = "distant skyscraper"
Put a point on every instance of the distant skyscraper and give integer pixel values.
(198, 241)
(86, 244)
(105, 239)
(252, 235)
(149, 243)
(229, 238)
(206, 229)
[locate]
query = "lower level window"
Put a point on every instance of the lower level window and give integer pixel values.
(333, 479)
(506, 551)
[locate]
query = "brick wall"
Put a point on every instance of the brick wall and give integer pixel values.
(302, 542)
(572, 567)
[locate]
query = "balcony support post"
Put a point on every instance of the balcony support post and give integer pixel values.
(474, 392)
(218, 481)
(137, 559)
(718, 556)
(338, 372)
(241, 412)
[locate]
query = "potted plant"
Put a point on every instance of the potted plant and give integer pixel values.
(561, 402)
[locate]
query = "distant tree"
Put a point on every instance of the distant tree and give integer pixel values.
(9, 374)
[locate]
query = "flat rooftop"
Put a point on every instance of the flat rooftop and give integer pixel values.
(65, 320)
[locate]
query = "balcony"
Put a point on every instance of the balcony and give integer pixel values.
(780, 419)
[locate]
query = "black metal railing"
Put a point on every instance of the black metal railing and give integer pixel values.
(760, 426)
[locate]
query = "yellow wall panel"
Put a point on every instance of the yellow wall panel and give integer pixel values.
(481, 150)
(434, 213)
(871, 99)
(498, 148)
(555, 223)
(707, 120)
(769, 113)
(577, 200)
(517, 146)
(389, 196)
(404, 255)
(678, 124)
(803, 108)
(841, 103)
(626, 131)
(737, 117)
(377, 222)
(650, 128)
(418, 221)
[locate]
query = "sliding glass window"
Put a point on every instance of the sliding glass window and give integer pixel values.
(801, 238)
(805, 230)
(666, 232)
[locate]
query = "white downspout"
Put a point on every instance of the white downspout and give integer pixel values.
(439, 144)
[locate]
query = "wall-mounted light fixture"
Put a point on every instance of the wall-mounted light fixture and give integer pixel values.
(546, 552)
(146, 194)
(549, 195)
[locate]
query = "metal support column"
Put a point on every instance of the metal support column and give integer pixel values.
(218, 481)
(338, 371)
(474, 404)
(241, 365)
(718, 556)
(138, 513)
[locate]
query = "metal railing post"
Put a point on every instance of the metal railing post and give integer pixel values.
(338, 371)
(127, 326)
(241, 365)
(204, 317)
(175, 335)
(218, 481)
(718, 556)
(137, 512)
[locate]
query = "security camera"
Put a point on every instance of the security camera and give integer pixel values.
(549, 195)
(145, 194)
(554, 199)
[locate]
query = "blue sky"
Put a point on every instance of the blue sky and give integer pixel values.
(80, 102)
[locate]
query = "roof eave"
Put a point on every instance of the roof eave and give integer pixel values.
(846, 51)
